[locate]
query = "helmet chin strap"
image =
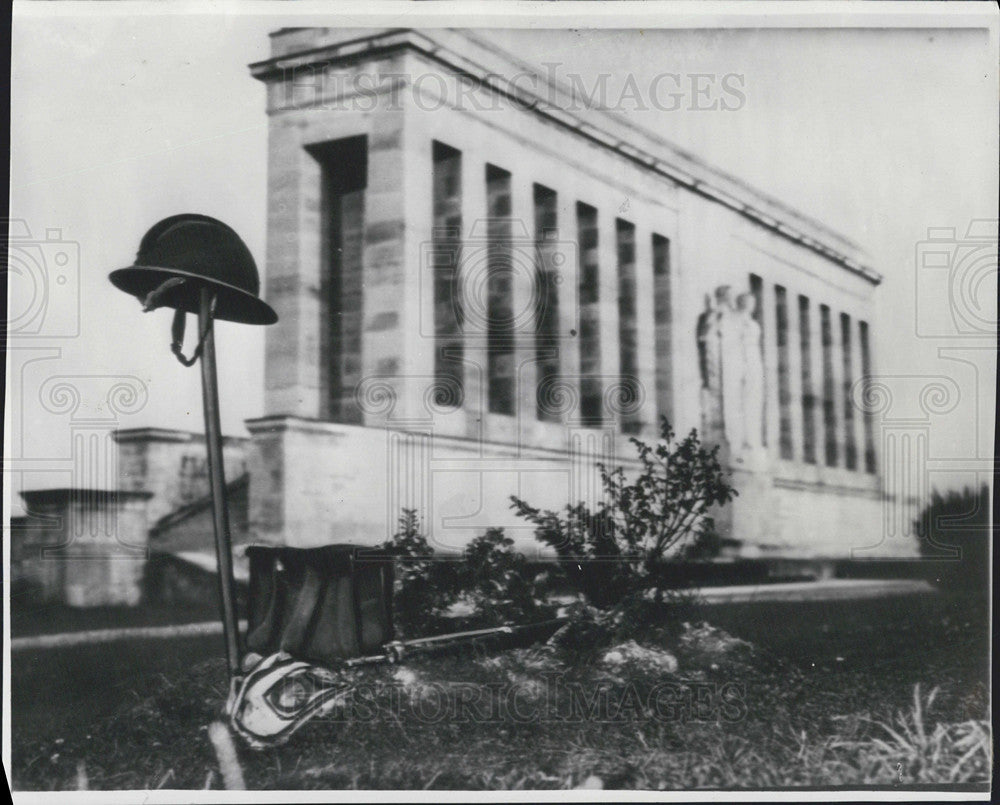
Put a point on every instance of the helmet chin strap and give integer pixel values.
(151, 302)
(177, 334)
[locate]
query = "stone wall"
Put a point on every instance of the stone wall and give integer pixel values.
(316, 483)
(457, 457)
(84, 547)
(191, 528)
(171, 465)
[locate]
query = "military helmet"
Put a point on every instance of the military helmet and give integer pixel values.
(198, 251)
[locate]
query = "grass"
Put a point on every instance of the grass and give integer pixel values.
(55, 618)
(890, 692)
(912, 749)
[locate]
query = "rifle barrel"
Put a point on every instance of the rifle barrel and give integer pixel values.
(394, 651)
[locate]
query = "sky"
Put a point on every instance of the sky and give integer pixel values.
(119, 121)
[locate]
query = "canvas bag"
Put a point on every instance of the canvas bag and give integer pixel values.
(320, 605)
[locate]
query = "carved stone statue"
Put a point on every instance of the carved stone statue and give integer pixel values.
(752, 392)
(710, 365)
(731, 351)
(732, 372)
(708, 347)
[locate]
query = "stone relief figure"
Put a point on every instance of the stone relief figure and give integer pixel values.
(752, 394)
(710, 365)
(708, 346)
(731, 350)
(732, 371)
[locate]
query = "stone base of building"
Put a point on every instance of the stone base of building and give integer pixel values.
(81, 547)
(318, 483)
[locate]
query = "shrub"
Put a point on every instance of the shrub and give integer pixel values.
(491, 577)
(618, 549)
(424, 586)
(954, 528)
(499, 583)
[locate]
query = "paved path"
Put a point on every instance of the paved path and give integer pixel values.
(829, 590)
(110, 635)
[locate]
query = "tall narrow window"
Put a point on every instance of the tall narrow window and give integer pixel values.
(808, 393)
(547, 332)
(850, 445)
(757, 292)
(344, 172)
(590, 317)
(784, 387)
(662, 324)
(499, 294)
(628, 359)
(829, 404)
(866, 369)
(446, 249)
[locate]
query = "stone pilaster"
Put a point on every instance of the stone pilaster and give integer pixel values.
(524, 303)
(607, 303)
(472, 267)
(416, 299)
(645, 299)
(818, 370)
(291, 379)
(561, 397)
(795, 373)
(837, 353)
(383, 340)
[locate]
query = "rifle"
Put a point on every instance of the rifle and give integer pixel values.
(281, 693)
(507, 636)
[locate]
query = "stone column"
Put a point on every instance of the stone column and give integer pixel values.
(837, 350)
(818, 373)
(795, 374)
(524, 264)
(607, 251)
(416, 301)
(383, 336)
(645, 300)
(690, 287)
(562, 398)
(291, 373)
(472, 268)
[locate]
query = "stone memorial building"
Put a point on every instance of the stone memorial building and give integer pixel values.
(484, 286)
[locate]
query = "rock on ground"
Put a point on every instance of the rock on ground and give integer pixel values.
(645, 657)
